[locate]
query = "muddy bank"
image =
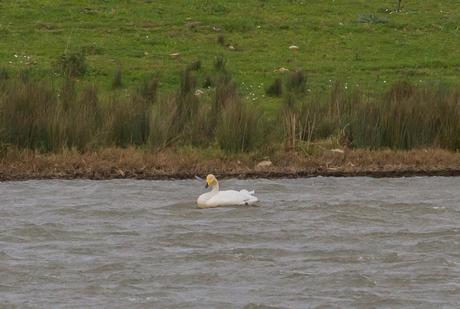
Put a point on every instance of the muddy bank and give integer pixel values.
(139, 164)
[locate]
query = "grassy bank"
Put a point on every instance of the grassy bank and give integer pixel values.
(256, 80)
(55, 130)
(117, 163)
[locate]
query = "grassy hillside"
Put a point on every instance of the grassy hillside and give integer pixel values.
(365, 42)
(364, 74)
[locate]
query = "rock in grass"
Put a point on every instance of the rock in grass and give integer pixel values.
(191, 25)
(281, 70)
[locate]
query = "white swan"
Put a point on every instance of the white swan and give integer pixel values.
(217, 198)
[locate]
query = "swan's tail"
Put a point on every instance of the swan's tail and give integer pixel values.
(248, 192)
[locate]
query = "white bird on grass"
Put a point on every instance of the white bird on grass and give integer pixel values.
(217, 198)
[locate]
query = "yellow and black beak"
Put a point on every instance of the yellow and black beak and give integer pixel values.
(206, 185)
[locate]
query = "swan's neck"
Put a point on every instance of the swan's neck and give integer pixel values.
(215, 188)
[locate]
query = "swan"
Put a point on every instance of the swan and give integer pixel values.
(217, 198)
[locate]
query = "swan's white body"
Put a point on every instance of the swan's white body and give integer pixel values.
(217, 198)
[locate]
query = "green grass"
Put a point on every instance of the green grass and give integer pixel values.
(337, 40)
(86, 74)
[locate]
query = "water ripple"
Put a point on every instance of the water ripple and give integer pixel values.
(317, 242)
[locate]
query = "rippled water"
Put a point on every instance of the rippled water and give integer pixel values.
(339, 242)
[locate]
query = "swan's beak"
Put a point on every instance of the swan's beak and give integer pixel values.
(206, 186)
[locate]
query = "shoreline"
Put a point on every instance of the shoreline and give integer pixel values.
(131, 163)
(251, 175)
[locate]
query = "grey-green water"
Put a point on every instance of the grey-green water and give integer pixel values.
(318, 242)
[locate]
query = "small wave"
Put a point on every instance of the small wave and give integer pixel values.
(260, 306)
(109, 267)
(46, 231)
(392, 257)
(200, 278)
(115, 213)
(4, 256)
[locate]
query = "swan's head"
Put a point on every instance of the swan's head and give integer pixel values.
(211, 181)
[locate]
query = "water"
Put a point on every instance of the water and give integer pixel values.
(318, 242)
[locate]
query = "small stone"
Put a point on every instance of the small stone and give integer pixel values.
(293, 47)
(199, 92)
(216, 29)
(231, 47)
(281, 70)
(193, 24)
(264, 164)
(337, 150)
(174, 55)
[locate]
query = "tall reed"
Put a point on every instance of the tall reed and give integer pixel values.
(409, 117)
(163, 131)
(83, 119)
(404, 117)
(126, 120)
(180, 118)
(237, 129)
(39, 116)
(233, 121)
(27, 109)
(292, 90)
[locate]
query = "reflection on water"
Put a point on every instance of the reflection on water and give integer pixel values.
(340, 242)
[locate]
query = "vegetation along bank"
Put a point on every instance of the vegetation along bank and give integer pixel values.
(236, 105)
